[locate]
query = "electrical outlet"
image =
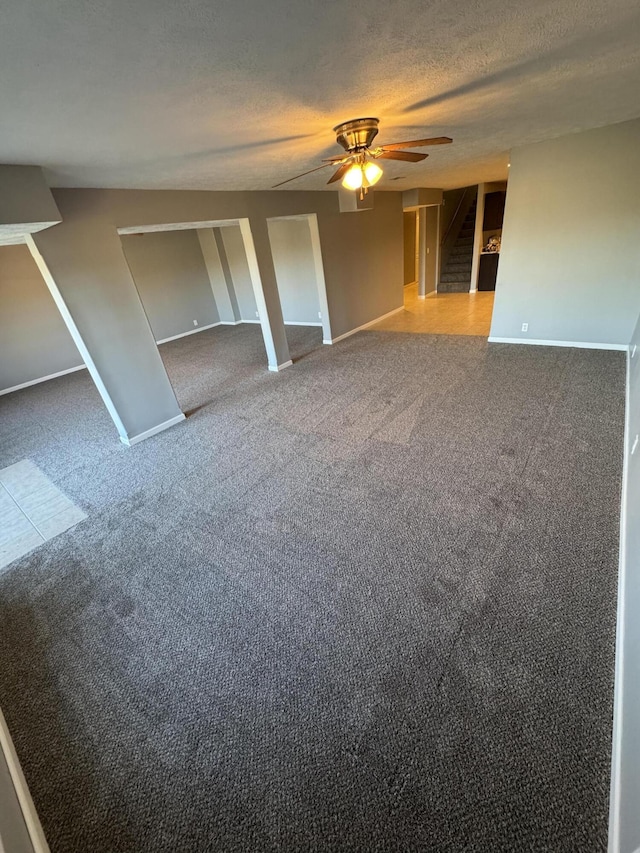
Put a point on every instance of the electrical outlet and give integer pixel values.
(633, 351)
(635, 444)
(319, 315)
(525, 327)
(257, 315)
(195, 322)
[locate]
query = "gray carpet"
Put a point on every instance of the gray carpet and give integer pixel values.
(366, 604)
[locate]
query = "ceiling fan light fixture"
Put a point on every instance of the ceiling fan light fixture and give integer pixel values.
(372, 173)
(362, 175)
(354, 178)
(357, 169)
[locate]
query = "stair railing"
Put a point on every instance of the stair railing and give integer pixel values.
(450, 236)
(455, 214)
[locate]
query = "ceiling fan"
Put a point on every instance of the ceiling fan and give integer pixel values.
(357, 168)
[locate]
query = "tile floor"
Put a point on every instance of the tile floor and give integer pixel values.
(441, 314)
(32, 510)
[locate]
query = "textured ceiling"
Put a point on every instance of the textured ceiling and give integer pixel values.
(241, 94)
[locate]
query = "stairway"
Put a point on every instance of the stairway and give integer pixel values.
(455, 276)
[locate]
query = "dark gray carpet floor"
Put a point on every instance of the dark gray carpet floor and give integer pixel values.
(366, 604)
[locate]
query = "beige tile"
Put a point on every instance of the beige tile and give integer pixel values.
(23, 478)
(442, 314)
(6, 501)
(44, 503)
(13, 523)
(19, 546)
(59, 523)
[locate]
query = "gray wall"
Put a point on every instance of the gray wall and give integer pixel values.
(83, 257)
(363, 262)
(409, 218)
(237, 259)
(629, 812)
(570, 257)
(34, 340)
(170, 273)
(14, 836)
(295, 270)
(85, 267)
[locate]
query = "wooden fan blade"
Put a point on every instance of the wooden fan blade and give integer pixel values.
(417, 143)
(408, 156)
(339, 173)
(339, 159)
(324, 165)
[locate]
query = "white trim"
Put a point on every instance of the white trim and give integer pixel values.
(258, 291)
(275, 368)
(257, 322)
(616, 746)
(231, 322)
(215, 272)
(84, 366)
(321, 283)
(43, 379)
(577, 344)
(176, 226)
(190, 332)
(477, 239)
(364, 326)
(134, 439)
(75, 334)
(421, 233)
(300, 323)
(437, 273)
(34, 827)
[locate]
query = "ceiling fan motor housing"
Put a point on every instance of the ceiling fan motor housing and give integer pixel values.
(356, 134)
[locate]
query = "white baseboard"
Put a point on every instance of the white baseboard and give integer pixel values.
(577, 344)
(134, 439)
(84, 366)
(297, 323)
(29, 814)
(275, 368)
(364, 326)
(43, 379)
(616, 746)
(189, 332)
(251, 321)
(230, 322)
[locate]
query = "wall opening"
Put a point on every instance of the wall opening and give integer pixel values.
(297, 259)
(35, 343)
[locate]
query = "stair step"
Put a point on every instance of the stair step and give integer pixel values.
(464, 242)
(460, 257)
(454, 286)
(458, 268)
(455, 277)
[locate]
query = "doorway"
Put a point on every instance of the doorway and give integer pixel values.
(297, 260)
(36, 343)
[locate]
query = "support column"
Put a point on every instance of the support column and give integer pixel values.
(422, 252)
(226, 271)
(477, 239)
(83, 265)
(431, 262)
(219, 278)
(255, 236)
